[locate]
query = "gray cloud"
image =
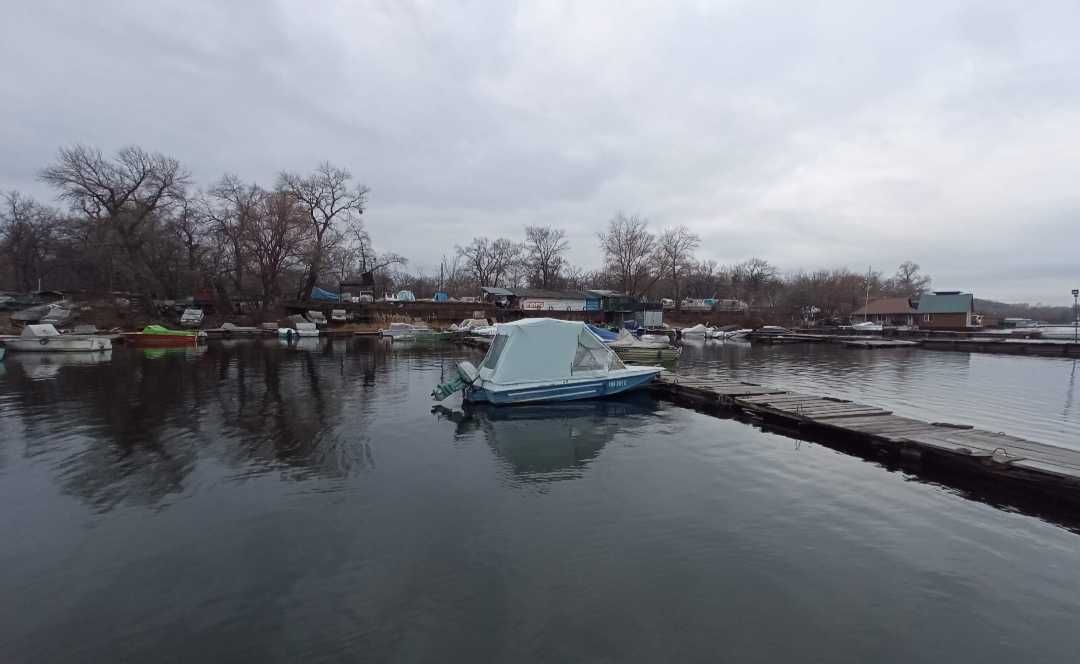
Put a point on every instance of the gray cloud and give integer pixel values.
(847, 134)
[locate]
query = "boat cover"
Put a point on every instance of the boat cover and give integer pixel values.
(545, 349)
(42, 330)
(324, 295)
(605, 335)
(159, 329)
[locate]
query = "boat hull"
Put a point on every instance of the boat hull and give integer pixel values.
(59, 344)
(140, 340)
(572, 390)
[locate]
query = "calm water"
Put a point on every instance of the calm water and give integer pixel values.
(1032, 397)
(259, 503)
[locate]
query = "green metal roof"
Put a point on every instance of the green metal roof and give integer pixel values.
(945, 303)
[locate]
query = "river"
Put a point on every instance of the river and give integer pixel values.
(255, 502)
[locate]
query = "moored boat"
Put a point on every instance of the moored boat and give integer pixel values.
(543, 359)
(45, 338)
(157, 336)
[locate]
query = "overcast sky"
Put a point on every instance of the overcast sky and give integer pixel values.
(812, 135)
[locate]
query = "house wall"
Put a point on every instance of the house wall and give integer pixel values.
(944, 321)
(551, 304)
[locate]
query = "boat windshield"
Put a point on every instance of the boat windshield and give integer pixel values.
(494, 352)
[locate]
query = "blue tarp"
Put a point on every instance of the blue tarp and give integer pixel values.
(441, 297)
(324, 295)
(406, 296)
(604, 334)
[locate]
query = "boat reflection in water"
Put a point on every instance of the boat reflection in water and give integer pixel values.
(45, 366)
(552, 441)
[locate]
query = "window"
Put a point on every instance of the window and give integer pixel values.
(494, 352)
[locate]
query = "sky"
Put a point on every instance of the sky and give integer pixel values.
(814, 135)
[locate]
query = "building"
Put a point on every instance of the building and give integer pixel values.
(949, 310)
(535, 299)
(891, 311)
(500, 297)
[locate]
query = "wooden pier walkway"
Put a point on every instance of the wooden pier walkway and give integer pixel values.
(995, 455)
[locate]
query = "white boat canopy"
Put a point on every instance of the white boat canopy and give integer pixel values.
(545, 349)
(41, 330)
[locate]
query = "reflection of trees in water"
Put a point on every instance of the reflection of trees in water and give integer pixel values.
(144, 421)
(553, 441)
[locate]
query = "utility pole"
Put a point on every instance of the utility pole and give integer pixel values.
(1076, 313)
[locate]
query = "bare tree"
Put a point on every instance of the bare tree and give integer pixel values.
(674, 257)
(274, 238)
(329, 200)
(507, 261)
(125, 193)
(908, 281)
(628, 245)
(363, 252)
(544, 250)
(751, 279)
(26, 238)
(478, 261)
(237, 205)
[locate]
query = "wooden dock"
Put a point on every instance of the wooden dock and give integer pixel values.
(1027, 465)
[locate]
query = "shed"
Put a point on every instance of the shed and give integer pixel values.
(946, 310)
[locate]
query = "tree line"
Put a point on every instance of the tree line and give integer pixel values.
(135, 221)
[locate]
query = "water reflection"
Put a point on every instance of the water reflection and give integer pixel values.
(46, 366)
(554, 441)
(133, 429)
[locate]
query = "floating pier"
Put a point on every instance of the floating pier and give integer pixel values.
(1051, 471)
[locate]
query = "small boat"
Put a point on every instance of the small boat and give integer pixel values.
(401, 329)
(414, 332)
(339, 315)
(157, 336)
(631, 349)
(543, 359)
(301, 330)
(44, 337)
(772, 330)
(728, 332)
(698, 330)
(867, 326)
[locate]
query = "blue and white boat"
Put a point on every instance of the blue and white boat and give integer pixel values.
(543, 359)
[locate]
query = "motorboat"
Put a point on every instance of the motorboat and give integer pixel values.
(413, 332)
(728, 332)
(157, 336)
(543, 359)
(698, 330)
(300, 331)
(44, 337)
(867, 326)
(404, 330)
(631, 349)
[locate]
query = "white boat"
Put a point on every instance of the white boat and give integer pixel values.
(737, 334)
(339, 315)
(867, 326)
(543, 359)
(302, 330)
(43, 338)
(406, 330)
(698, 330)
